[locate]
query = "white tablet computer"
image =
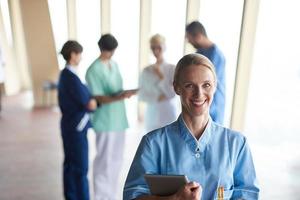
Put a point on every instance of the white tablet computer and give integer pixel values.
(165, 185)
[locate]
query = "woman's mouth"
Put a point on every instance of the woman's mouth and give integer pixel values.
(198, 103)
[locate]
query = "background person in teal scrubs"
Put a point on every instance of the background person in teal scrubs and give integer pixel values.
(109, 121)
(210, 155)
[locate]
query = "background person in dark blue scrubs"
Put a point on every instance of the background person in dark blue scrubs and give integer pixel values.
(75, 102)
(196, 35)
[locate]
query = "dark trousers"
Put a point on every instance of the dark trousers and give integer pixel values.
(75, 167)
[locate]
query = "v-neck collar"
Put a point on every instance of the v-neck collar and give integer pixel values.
(108, 65)
(187, 135)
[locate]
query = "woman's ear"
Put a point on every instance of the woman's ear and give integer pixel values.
(73, 56)
(176, 88)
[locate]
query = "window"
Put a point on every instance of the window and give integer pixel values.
(168, 19)
(125, 27)
(222, 21)
(88, 31)
(272, 120)
(6, 21)
(58, 15)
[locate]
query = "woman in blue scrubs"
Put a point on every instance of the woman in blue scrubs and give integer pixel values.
(210, 155)
(75, 102)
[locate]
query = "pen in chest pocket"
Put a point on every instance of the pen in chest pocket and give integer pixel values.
(220, 193)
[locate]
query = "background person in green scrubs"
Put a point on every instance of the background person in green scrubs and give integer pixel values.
(109, 120)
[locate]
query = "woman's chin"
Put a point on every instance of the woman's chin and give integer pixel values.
(196, 111)
(199, 111)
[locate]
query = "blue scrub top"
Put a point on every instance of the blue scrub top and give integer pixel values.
(221, 157)
(73, 97)
(217, 108)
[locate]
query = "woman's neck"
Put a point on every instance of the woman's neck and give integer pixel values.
(159, 60)
(197, 124)
(206, 44)
(73, 64)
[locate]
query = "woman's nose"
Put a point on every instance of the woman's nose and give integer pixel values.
(198, 91)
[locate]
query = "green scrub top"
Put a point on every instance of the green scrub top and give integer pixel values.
(105, 81)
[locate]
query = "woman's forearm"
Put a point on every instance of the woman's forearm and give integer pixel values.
(108, 99)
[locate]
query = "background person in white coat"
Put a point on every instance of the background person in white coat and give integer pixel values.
(156, 88)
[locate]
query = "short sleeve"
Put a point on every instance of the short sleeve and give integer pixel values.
(245, 182)
(143, 163)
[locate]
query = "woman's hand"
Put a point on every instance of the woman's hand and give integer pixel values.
(117, 97)
(127, 94)
(191, 191)
(158, 72)
(92, 105)
(162, 97)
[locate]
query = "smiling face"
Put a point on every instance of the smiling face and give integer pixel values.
(196, 87)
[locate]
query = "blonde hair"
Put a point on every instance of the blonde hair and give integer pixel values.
(157, 39)
(193, 59)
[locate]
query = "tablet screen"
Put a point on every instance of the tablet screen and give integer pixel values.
(165, 185)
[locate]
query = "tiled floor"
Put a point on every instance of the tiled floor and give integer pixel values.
(31, 156)
(31, 151)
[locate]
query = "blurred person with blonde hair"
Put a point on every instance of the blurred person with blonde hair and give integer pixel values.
(156, 88)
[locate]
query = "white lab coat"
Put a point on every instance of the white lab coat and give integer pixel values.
(158, 113)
